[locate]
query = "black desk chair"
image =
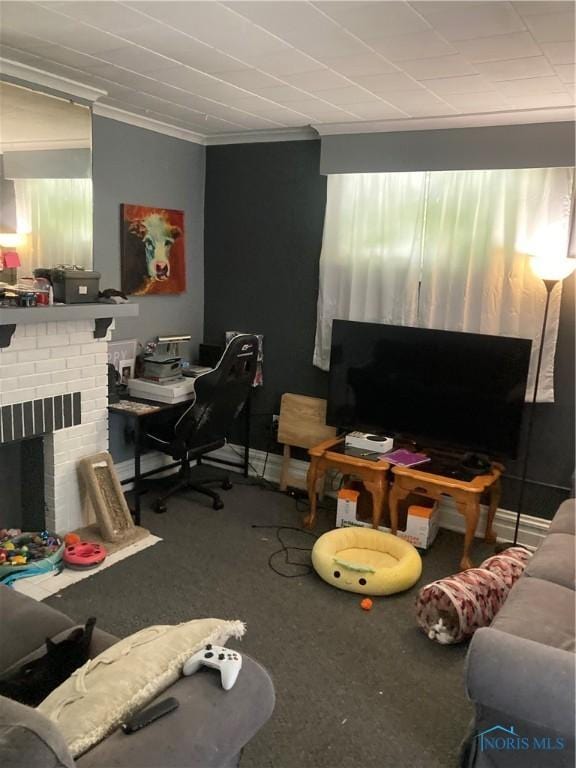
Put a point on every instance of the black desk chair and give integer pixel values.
(203, 426)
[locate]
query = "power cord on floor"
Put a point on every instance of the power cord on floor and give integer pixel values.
(285, 550)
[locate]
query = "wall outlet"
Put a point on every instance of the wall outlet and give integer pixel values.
(275, 420)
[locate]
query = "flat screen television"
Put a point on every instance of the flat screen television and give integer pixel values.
(441, 388)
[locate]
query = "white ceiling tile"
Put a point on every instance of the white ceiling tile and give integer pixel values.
(198, 83)
(65, 56)
(37, 21)
(420, 45)
(471, 84)
(319, 80)
(136, 59)
(566, 72)
(371, 20)
(345, 96)
(110, 16)
(537, 7)
(183, 48)
(250, 79)
(478, 102)
(560, 53)
(376, 110)
(318, 110)
(430, 8)
(284, 63)
(541, 100)
(463, 21)
(17, 38)
(440, 66)
(517, 45)
(552, 28)
(389, 83)
(365, 64)
(421, 104)
(530, 85)
(282, 94)
(516, 68)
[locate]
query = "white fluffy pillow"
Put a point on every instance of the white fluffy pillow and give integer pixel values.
(99, 696)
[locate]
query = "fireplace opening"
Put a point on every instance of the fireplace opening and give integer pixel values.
(22, 503)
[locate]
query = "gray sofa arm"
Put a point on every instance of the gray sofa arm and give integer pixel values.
(532, 681)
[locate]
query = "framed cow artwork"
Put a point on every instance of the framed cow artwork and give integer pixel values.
(153, 254)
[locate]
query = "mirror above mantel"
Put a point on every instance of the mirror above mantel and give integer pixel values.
(45, 179)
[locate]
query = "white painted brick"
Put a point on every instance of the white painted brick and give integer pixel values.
(26, 342)
(85, 325)
(81, 338)
(49, 390)
(40, 329)
(31, 330)
(37, 380)
(61, 353)
(77, 385)
(18, 396)
(9, 385)
(44, 366)
(32, 355)
(80, 362)
(102, 381)
(7, 357)
(90, 371)
(60, 377)
(56, 340)
(20, 369)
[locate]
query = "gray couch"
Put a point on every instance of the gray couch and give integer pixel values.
(208, 730)
(520, 671)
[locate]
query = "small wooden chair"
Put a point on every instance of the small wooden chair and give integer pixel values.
(302, 424)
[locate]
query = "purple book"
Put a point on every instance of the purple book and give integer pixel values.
(405, 458)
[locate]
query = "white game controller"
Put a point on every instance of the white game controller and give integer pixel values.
(229, 663)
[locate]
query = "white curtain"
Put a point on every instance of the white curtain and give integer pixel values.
(472, 236)
(371, 252)
(57, 215)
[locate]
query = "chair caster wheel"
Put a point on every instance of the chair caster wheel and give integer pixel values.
(159, 507)
(217, 504)
(226, 485)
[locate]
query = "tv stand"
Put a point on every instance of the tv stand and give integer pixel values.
(444, 475)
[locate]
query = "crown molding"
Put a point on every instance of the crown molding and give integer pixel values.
(141, 121)
(305, 133)
(45, 144)
(33, 76)
(478, 120)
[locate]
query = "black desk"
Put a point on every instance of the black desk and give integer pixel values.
(136, 411)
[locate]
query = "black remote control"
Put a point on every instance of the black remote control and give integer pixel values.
(147, 716)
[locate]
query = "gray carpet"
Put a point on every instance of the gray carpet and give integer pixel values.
(353, 688)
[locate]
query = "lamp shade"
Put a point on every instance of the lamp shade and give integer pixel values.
(12, 239)
(552, 267)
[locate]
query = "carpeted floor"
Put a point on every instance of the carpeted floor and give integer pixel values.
(354, 689)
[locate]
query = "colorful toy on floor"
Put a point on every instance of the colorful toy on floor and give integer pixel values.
(84, 555)
(367, 561)
(366, 604)
(28, 554)
(450, 610)
(71, 538)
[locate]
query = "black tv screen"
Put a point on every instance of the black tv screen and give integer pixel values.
(440, 388)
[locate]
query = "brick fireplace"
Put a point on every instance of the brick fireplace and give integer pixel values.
(53, 384)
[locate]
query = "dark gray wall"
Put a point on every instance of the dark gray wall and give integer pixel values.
(546, 145)
(263, 232)
(133, 165)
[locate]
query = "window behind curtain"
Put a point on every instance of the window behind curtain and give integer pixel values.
(57, 214)
(443, 250)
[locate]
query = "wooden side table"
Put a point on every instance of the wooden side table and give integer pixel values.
(374, 475)
(466, 495)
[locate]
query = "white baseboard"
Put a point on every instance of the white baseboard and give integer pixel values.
(530, 534)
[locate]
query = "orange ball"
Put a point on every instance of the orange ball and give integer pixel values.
(71, 538)
(366, 604)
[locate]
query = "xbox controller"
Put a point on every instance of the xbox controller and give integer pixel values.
(229, 663)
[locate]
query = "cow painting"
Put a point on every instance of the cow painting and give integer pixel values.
(152, 251)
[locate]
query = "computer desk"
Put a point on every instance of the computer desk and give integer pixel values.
(135, 411)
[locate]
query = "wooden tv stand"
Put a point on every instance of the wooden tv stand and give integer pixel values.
(466, 495)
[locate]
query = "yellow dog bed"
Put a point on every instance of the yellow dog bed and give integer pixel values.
(366, 560)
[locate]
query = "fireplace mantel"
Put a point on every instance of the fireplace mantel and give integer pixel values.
(101, 313)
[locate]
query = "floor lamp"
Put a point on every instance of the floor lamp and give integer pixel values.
(551, 272)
